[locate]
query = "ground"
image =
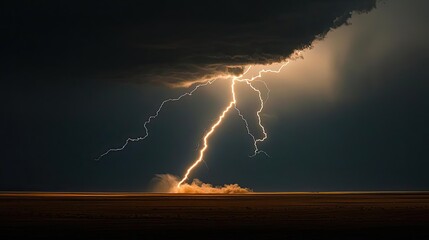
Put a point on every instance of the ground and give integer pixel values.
(394, 215)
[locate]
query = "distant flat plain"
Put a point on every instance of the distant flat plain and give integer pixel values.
(330, 215)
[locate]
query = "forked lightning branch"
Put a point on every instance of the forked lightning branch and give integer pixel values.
(231, 104)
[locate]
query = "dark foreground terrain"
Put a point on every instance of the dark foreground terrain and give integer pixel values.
(247, 216)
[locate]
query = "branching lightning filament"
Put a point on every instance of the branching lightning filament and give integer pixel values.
(231, 104)
(209, 82)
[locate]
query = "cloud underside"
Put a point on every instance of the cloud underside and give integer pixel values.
(173, 43)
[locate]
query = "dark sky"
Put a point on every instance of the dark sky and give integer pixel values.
(80, 78)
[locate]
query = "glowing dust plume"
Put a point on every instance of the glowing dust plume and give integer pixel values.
(166, 183)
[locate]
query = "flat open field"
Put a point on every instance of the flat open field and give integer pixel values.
(377, 215)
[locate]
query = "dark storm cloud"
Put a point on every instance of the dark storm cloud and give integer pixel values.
(166, 41)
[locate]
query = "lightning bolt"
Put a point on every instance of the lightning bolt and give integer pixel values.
(202, 151)
(233, 103)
